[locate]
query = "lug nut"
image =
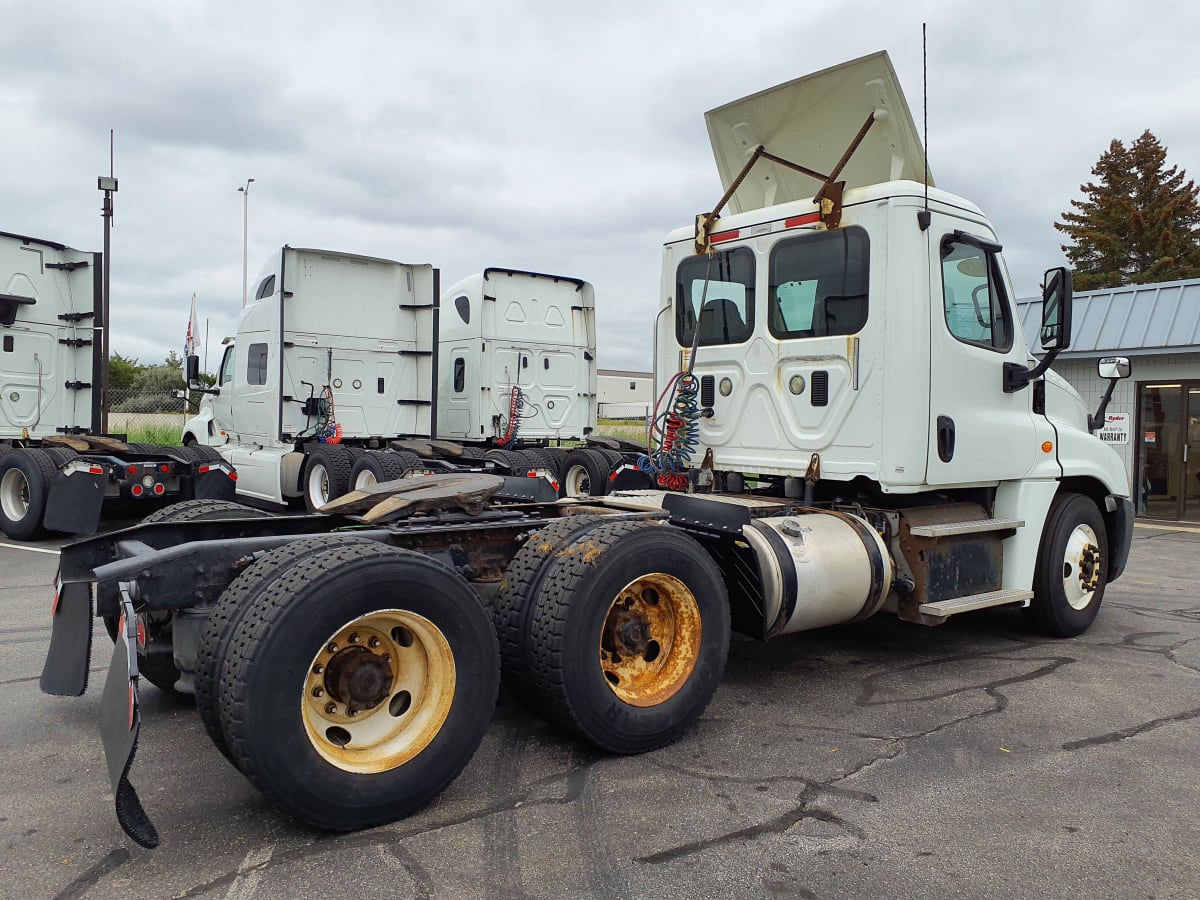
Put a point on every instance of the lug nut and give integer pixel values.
(354, 638)
(331, 707)
(352, 712)
(332, 648)
(387, 657)
(318, 692)
(318, 669)
(373, 642)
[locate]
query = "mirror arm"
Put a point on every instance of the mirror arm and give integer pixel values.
(1016, 376)
(1097, 420)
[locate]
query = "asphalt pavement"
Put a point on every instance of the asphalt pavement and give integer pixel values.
(875, 760)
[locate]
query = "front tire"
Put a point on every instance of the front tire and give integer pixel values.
(345, 734)
(1072, 568)
(630, 633)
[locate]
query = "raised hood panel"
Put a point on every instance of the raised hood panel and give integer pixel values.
(811, 121)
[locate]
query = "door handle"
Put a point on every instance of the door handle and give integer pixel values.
(945, 438)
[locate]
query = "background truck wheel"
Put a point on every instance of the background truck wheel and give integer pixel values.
(226, 616)
(159, 668)
(1072, 568)
(24, 485)
(512, 604)
(630, 631)
(585, 474)
(204, 511)
(326, 475)
(376, 466)
(60, 455)
(359, 683)
(202, 453)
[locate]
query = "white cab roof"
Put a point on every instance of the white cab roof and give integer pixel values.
(811, 121)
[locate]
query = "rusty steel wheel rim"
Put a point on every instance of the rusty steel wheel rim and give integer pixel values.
(378, 691)
(650, 639)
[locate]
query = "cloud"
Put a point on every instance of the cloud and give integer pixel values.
(556, 137)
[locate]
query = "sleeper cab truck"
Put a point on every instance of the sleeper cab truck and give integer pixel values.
(343, 370)
(58, 470)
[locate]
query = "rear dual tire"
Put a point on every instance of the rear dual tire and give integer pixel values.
(622, 636)
(419, 715)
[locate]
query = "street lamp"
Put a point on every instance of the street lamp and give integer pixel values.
(245, 192)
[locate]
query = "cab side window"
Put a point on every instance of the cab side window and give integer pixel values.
(974, 300)
(256, 364)
(227, 367)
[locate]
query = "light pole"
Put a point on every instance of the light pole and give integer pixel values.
(245, 192)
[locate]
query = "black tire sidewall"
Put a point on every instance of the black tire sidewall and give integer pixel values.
(1050, 610)
(599, 714)
(33, 465)
(299, 779)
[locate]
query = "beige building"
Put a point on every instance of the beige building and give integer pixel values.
(622, 394)
(1153, 419)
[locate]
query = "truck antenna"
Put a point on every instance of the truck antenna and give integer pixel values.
(923, 217)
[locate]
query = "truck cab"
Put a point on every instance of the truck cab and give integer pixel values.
(853, 338)
(510, 337)
(331, 346)
(50, 367)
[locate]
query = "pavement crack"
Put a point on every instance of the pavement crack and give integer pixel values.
(1133, 731)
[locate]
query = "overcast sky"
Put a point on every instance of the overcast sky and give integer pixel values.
(556, 137)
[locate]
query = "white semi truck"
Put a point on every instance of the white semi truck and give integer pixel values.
(851, 423)
(57, 467)
(344, 372)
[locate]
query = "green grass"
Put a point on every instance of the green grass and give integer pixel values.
(161, 435)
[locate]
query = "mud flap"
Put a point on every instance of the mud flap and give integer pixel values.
(215, 481)
(74, 502)
(65, 672)
(120, 722)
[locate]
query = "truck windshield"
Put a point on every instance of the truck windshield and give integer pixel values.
(725, 284)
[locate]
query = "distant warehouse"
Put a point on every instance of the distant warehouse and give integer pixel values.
(623, 394)
(1153, 420)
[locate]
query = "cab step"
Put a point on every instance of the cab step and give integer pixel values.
(974, 526)
(943, 609)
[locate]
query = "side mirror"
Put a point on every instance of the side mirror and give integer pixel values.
(1114, 367)
(1056, 309)
(192, 369)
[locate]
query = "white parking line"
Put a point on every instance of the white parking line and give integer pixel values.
(30, 549)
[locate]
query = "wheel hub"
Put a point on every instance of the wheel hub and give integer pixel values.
(358, 678)
(1089, 567)
(650, 639)
(378, 690)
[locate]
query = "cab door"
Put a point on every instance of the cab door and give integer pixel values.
(977, 432)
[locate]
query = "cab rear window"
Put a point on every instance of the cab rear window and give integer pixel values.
(719, 291)
(819, 284)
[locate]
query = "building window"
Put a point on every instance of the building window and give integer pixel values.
(633, 385)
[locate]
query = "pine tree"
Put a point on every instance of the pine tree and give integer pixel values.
(1138, 223)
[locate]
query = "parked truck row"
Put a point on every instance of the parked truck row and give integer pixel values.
(349, 370)
(850, 423)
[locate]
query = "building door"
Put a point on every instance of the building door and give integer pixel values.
(1168, 465)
